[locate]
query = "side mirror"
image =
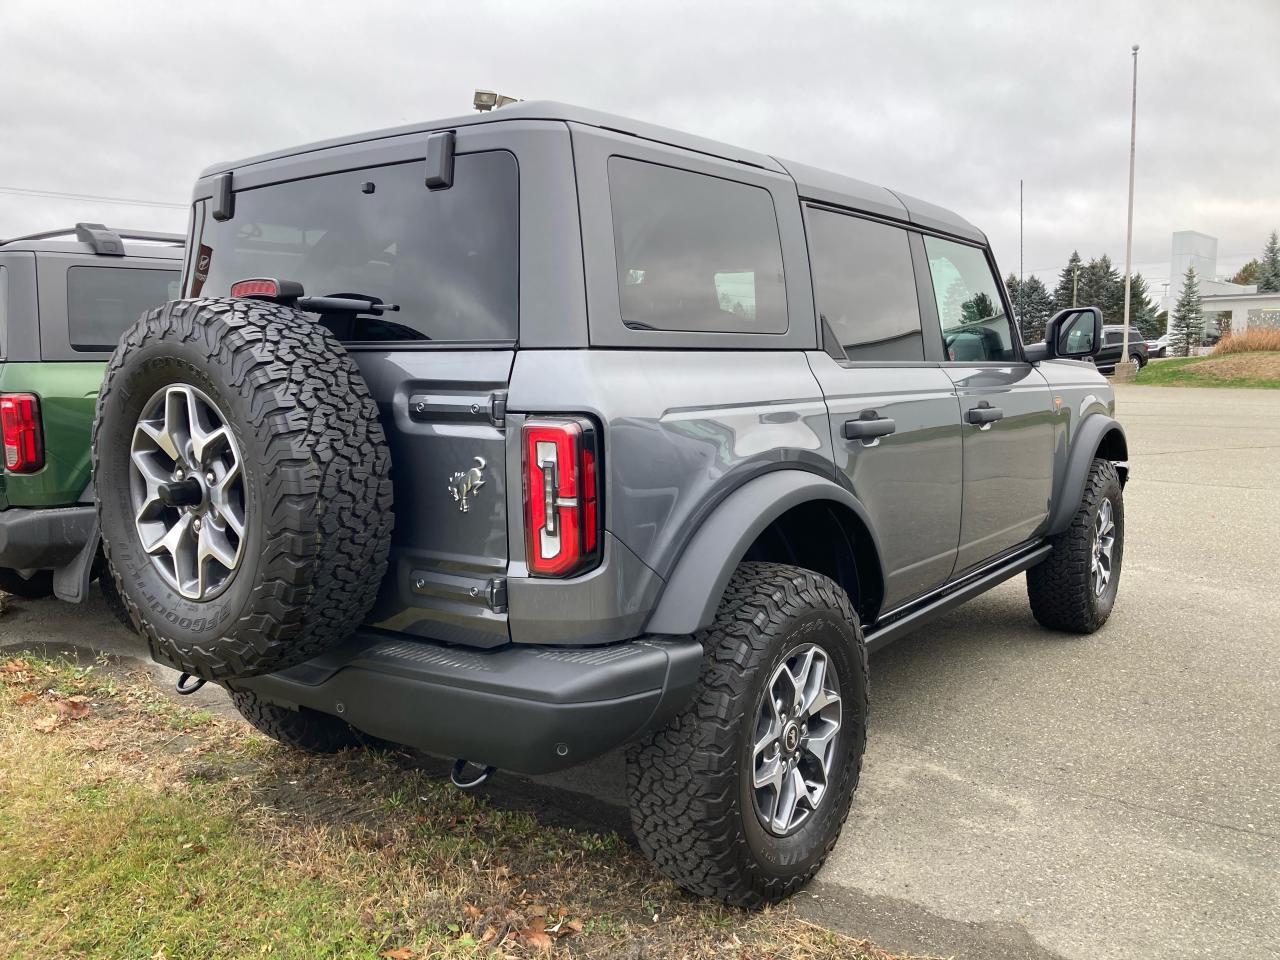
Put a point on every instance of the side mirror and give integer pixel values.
(1072, 334)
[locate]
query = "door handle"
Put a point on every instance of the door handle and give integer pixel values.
(868, 427)
(984, 414)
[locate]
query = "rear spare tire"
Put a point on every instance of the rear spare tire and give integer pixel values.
(242, 483)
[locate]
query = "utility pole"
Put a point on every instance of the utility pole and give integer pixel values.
(1022, 280)
(1128, 237)
(1075, 285)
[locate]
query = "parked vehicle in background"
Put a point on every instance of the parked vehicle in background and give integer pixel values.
(65, 297)
(680, 432)
(1159, 347)
(1113, 347)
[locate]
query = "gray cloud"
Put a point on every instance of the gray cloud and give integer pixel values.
(953, 102)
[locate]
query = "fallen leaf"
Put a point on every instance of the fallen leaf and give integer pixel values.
(14, 666)
(473, 912)
(536, 939)
(400, 953)
(27, 696)
(47, 724)
(574, 925)
(74, 708)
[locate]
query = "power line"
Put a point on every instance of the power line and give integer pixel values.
(89, 197)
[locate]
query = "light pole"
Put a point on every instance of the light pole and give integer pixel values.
(1128, 236)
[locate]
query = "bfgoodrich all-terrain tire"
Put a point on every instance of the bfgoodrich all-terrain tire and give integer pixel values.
(303, 729)
(242, 480)
(1075, 587)
(781, 706)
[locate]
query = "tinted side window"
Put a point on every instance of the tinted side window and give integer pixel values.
(102, 301)
(865, 287)
(970, 308)
(450, 259)
(695, 252)
(4, 311)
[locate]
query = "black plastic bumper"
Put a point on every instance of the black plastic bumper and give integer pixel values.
(45, 538)
(525, 709)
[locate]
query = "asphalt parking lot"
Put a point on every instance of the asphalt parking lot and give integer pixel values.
(1035, 795)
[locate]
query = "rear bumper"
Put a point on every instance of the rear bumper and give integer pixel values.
(45, 538)
(525, 709)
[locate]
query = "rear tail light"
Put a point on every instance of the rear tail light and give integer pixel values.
(562, 502)
(23, 438)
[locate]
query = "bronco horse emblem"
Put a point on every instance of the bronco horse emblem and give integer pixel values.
(465, 484)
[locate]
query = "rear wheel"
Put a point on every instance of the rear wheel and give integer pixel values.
(1137, 361)
(1075, 587)
(303, 729)
(743, 794)
(35, 587)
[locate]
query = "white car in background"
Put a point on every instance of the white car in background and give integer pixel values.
(1159, 347)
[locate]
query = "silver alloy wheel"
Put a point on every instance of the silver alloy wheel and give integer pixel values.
(793, 751)
(187, 482)
(1104, 543)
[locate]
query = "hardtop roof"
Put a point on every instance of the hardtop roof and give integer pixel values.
(812, 183)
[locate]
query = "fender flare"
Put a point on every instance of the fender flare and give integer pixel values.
(1093, 431)
(698, 580)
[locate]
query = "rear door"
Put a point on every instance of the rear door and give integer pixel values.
(1005, 404)
(438, 366)
(895, 420)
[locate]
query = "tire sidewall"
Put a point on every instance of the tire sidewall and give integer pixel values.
(783, 858)
(1109, 489)
(178, 622)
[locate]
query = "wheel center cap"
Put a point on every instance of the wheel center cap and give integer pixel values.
(791, 738)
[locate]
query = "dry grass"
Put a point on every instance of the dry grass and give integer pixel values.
(135, 827)
(1247, 341)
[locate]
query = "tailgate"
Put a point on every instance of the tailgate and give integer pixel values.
(444, 416)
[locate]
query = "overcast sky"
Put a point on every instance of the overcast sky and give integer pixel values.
(951, 101)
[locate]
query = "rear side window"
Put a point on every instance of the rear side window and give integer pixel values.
(865, 287)
(102, 301)
(975, 328)
(695, 252)
(448, 258)
(4, 311)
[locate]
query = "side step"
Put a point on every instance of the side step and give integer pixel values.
(904, 620)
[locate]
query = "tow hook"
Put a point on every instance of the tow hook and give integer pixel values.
(185, 688)
(460, 765)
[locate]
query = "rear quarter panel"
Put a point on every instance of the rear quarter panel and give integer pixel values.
(68, 393)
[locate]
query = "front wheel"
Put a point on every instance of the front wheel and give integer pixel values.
(1075, 587)
(742, 795)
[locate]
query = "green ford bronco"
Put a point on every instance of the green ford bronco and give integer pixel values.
(65, 297)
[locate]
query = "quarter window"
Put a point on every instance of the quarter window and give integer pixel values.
(695, 252)
(975, 327)
(865, 287)
(103, 301)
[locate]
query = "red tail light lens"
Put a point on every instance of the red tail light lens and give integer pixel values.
(23, 438)
(562, 501)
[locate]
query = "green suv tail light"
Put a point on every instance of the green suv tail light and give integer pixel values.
(562, 502)
(23, 438)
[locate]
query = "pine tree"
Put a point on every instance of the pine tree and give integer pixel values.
(1032, 305)
(1142, 310)
(1269, 270)
(1062, 293)
(1188, 321)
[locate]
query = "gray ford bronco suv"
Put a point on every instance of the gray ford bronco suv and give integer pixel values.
(521, 436)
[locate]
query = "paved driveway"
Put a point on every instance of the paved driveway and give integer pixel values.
(1027, 794)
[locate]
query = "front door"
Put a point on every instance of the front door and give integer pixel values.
(895, 420)
(1005, 404)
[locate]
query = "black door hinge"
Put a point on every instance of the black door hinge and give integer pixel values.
(497, 594)
(498, 408)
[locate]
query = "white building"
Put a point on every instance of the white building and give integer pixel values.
(1194, 249)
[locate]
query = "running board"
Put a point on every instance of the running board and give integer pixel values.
(899, 622)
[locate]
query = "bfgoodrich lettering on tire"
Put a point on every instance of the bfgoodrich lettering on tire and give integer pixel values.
(242, 480)
(743, 794)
